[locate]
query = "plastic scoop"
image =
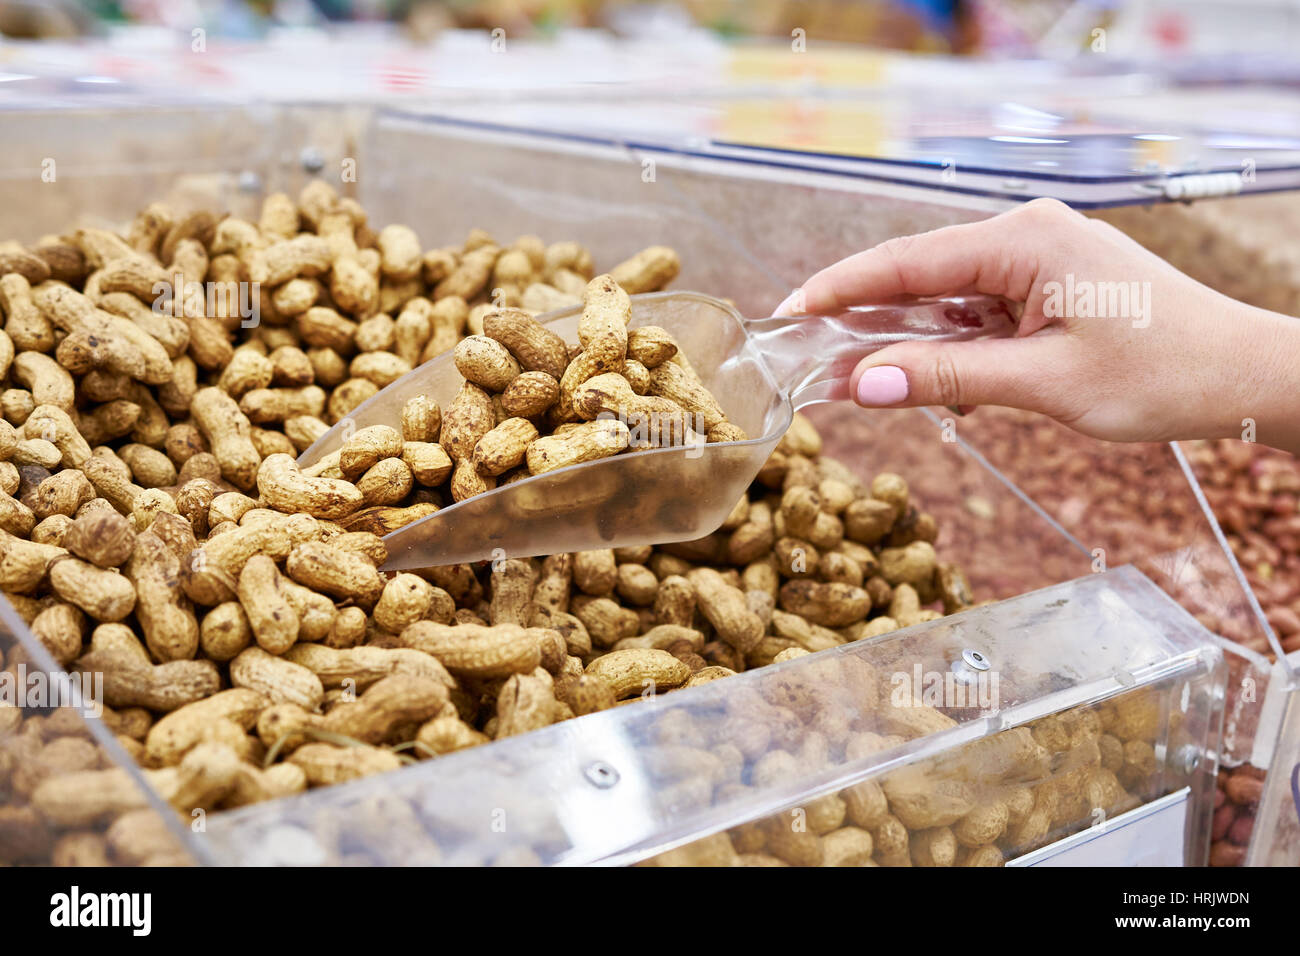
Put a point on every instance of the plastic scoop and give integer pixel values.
(760, 370)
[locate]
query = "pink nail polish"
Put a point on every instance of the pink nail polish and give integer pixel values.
(882, 385)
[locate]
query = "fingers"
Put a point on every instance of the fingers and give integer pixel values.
(1020, 373)
(932, 263)
(997, 256)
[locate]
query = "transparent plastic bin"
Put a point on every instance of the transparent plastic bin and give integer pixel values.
(746, 233)
(1102, 673)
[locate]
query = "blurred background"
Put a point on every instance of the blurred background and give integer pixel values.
(987, 27)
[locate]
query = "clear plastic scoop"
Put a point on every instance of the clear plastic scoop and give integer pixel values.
(760, 371)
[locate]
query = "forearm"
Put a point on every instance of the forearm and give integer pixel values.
(1265, 380)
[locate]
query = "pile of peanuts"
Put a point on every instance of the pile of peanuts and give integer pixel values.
(1255, 494)
(155, 528)
(1236, 798)
(978, 804)
(618, 389)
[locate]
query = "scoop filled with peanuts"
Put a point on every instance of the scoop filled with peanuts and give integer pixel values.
(642, 425)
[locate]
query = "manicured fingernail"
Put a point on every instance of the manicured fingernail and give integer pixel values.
(882, 385)
(793, 304)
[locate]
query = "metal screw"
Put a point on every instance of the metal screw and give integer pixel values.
(250, 181)
(311, 159)
(975, 660)
(601, 774)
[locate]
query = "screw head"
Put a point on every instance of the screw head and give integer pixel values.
(250, 181)
(600, 774)
(311, 159)
(975, 660)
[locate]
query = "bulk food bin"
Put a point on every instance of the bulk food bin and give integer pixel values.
(1079, 728)
(1102, 641)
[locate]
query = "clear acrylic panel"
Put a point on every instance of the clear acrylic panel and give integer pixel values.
(627, 783)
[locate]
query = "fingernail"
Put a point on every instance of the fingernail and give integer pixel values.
(792, 305)
(882, 385)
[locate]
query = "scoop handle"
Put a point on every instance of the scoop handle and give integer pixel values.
(812, 356)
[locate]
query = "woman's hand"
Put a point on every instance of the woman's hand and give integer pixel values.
(1114, 342)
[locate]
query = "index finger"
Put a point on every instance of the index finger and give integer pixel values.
(963, 258)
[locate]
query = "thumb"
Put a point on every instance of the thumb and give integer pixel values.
(1021, 373)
